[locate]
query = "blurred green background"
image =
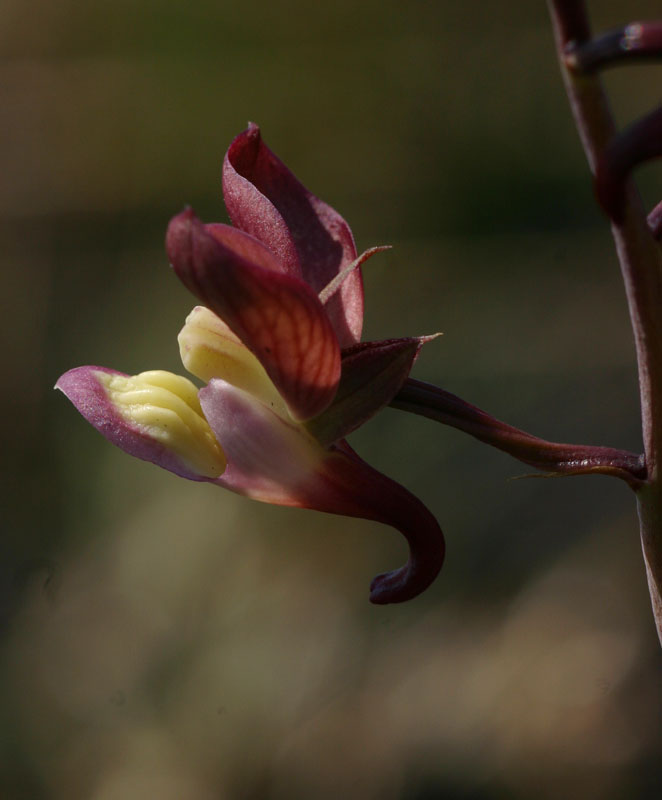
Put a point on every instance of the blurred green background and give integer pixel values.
(166, 639)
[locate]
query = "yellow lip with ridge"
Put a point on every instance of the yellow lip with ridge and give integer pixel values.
(165, 407)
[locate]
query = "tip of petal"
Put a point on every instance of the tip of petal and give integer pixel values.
(410, 580)
(179, 231)
(253, 130)
(388, 588)
(178, 238)
(250, 138)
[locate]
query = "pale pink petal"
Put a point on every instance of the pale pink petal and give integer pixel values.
(269, 458)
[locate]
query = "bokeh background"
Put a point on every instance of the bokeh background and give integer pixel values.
(166, 639)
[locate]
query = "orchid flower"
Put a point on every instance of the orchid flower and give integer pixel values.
(277, 344)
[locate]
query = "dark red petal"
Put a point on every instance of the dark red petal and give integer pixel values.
(245, 246)
(277, 316)
(309, 237)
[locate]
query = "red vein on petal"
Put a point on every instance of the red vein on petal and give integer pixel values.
(268, 310)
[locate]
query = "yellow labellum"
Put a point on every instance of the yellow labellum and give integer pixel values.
(166, 407)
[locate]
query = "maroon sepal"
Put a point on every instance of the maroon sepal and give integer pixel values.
(372, 373)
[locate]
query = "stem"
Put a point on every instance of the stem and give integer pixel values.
(649, 504)
(637, 41)
(559, 459)
(641, 266)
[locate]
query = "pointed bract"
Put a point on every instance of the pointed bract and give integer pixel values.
(266, 200)
(372, 374)
(278, 317)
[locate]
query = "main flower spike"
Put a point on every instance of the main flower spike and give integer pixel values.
(277, 343)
